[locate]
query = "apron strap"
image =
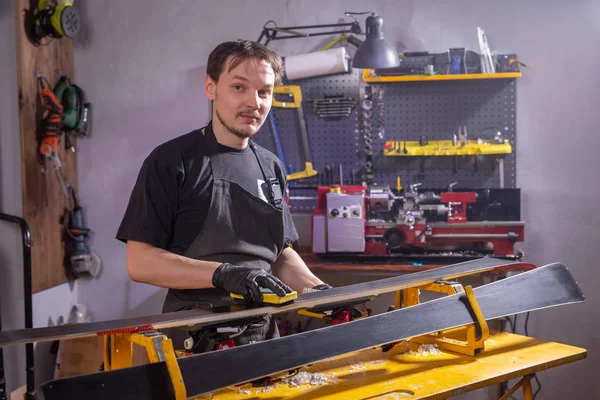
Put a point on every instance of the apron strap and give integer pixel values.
(212, 147)
(274, 188)
(211, 140)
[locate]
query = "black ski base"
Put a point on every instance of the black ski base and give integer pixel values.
(152, 382)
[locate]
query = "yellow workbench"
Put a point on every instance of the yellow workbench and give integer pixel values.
(406, 373)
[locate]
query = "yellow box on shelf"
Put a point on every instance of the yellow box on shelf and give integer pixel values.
(370, 76)
(444, 148)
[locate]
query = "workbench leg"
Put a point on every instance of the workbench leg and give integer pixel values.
(527, 391)
(410, 297)
(524, 383)
(398, 300)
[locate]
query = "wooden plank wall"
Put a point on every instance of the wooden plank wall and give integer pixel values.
(43, 200)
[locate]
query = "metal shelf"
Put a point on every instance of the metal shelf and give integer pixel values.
(444, 148)
(370, 77)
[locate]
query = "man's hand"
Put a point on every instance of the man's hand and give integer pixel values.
(247, 282)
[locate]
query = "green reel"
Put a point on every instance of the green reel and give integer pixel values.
(76, 112)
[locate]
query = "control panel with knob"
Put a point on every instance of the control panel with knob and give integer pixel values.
(346, 211)
(345, 223)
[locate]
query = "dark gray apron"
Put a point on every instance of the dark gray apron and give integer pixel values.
(240, 229)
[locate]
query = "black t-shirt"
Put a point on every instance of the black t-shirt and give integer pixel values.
(171, 197)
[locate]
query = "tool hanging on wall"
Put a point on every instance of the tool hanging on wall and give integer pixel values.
(380, 110)
(277, 141)
(76, 111)
(366, 118)
(81, 261)
(53, 19)
(78, 257)
(294, 92)
(52, 128)
(334, 107)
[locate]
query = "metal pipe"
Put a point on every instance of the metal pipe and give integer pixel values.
(287, 28)
(501, 172)
(27, 292)
(304, 198)
(473, 236)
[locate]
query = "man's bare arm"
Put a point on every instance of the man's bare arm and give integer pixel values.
(291, 269)
(158, 267)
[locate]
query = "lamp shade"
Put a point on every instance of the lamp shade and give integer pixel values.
(375, 52)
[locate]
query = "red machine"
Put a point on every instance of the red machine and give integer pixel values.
(377, 221)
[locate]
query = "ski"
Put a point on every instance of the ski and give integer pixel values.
(200, 317)
(544, 287)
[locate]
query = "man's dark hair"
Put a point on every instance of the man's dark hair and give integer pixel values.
(240, 51)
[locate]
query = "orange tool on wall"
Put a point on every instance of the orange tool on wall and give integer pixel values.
(51, 130)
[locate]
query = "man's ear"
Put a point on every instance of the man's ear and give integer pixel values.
(210, 87)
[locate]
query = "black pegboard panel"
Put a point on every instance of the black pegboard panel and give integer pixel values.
(330, 141)
(434, 111)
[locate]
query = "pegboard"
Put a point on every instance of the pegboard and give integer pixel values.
(434, 111)
(431, 110)
(331, 142)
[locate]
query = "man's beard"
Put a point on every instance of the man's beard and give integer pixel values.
(236, 132)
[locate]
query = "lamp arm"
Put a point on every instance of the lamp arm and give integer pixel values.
(270, 33)
(353, 40)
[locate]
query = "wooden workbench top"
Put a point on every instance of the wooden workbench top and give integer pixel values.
(315, 263)
(386, 265)
(407, 371)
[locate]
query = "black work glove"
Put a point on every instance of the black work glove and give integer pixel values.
(247, 282)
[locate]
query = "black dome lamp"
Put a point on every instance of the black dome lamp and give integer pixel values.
(375, 52)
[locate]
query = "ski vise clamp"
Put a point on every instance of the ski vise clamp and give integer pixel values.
(119, 353)
(452, 339)
(338, 315)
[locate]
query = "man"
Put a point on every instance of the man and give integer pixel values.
(206, 216)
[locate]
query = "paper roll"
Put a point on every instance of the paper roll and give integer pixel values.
(327, 62)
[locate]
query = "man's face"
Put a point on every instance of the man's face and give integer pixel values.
(242, 97)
